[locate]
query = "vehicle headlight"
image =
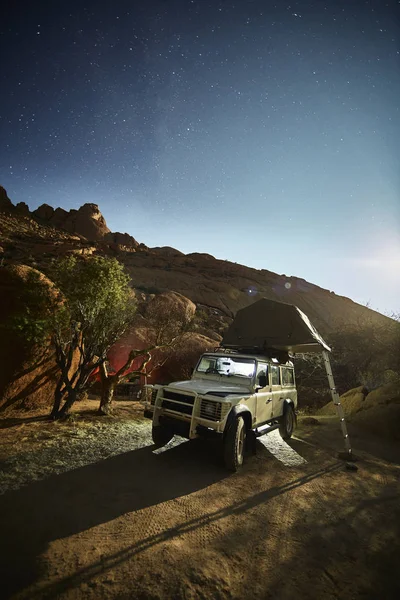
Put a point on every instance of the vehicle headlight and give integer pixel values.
(148, 395)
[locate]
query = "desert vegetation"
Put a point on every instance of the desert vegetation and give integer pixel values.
(364, 353)
(79, 312)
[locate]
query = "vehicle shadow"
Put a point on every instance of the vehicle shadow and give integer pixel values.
(65, 504)
(6, 423)
(211, 515)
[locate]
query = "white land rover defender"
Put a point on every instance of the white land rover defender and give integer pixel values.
(247, 387)
(239, 396)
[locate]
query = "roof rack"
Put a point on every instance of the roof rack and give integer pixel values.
(281, 355)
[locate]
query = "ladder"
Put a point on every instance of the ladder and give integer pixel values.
(336, 401)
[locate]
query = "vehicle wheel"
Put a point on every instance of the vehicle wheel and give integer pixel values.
(234, 444)
(287, 423)
(161, 435)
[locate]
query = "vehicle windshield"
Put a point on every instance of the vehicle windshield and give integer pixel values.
(226, 365)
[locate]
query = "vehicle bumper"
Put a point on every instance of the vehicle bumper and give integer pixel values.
(185, 425)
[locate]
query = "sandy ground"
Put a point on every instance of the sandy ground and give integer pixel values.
(90, 510)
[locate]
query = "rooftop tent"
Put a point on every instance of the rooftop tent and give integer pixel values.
(268, 324)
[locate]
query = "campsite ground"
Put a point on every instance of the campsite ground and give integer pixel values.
(90, 510)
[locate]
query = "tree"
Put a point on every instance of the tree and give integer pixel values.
(109, 380)
(96, 308)
(162, 323)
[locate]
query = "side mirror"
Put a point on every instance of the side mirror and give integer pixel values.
(262, 381)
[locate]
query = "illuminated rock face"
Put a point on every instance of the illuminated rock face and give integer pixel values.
(143, 335)
(27, 375)
(217, 287)
(86, 221)
(121, 239)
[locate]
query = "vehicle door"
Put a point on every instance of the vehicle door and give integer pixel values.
(276, 390)
(263, 393)
(287, 390)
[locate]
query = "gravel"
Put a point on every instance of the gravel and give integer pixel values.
(33, 451)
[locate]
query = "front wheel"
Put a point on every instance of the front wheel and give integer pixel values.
(161, 435)
(287, 423)
(234, 444)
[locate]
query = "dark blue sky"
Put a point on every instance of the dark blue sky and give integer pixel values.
(266, 133)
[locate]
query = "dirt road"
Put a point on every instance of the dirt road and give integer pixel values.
(294, 523)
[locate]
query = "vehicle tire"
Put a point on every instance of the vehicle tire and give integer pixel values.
(161, 435)
(234, 444)
(287, 422)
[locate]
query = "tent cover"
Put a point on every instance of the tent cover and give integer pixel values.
(270, 325)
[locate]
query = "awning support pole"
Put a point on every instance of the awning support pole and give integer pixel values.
(336, 402)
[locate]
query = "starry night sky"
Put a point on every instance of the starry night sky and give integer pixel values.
(266, 133)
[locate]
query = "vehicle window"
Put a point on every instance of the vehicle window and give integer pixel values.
(275, 375)
(262, 371)
(287, 376)
(227, 365)
(207, 363)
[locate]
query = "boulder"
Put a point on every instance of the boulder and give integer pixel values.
(383, 395)
(183, 358)
(173, 304)
(167, 311)
(27, 374)
(121, 239)
(380, 414)
(352, 401)
(90, 222)
(87, 221)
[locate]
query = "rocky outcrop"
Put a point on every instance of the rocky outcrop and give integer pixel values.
(166, 251)
(220, 285)
(5, 202)
(60, 217)
(27, 374)
(163, 318)
(352, 401)
(86, 221)
(23, 209)
(172, 305)
(121, 239)
(44, 212)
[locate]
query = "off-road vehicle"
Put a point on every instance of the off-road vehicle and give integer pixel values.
(247, 387)
(239, 396)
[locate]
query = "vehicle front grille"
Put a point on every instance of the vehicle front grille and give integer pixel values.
(182, 403)
(179, 397)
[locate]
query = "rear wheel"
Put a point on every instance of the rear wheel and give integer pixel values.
(161, 435)
(234, 444)
(287, 423)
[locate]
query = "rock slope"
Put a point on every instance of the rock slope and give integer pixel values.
(219, 286)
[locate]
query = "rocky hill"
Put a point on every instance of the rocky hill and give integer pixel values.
(220, 287)
(366, 343)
